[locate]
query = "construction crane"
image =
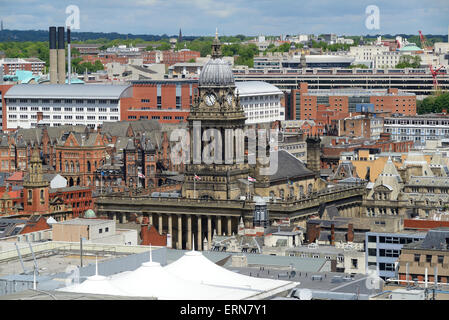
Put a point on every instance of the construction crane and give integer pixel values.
(424, 44)
(435, 73)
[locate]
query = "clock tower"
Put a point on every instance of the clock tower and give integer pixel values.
(216, 107)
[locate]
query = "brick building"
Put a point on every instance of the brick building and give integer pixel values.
(304, 102)
(150, 236)
(432, 254)
(169, 58)
(167, 101)
(11, 65)
(79, 198)
(78, 156)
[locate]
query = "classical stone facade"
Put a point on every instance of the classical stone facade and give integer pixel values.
(416, 188)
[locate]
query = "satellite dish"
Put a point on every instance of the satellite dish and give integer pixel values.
(305, 294)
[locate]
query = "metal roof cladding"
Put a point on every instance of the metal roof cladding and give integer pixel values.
(62, 91)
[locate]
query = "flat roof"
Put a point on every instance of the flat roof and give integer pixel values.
(81, 221)
(66, 91)
(246, 88)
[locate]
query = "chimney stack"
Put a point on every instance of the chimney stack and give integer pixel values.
(69, 57)
(350, 232)
(53, 56)
(61, 56)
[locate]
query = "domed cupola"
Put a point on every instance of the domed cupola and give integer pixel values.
(216, 72)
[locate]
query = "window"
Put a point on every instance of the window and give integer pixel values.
(354, 263)
(371, 238)
(100, 230)
(428, 258)
(106, 229)
(372, 251)
(440, 259)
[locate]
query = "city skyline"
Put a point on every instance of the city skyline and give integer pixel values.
(200, 17)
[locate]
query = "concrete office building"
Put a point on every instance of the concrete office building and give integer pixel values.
(56, 105)
(383, 250)
(261, 101)
(418, 128)
(417, 81)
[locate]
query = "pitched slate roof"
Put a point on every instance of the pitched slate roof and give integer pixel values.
(289, 167)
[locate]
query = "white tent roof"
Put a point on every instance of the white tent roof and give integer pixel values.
(95, 285)
(195, 267)
(152, 280)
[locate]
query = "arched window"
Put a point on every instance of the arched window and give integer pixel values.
(301, 190)
(42, 194)
(88, 166)
(281, 193)
(66, 166)
(272, 196)
(30, 195)
(292, 192)
(309, 188)
(72, 167)
(89, 181)
(77, 166)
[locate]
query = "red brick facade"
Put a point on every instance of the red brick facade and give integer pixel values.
(168, 108)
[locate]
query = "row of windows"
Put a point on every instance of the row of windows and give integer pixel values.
(65, 101)
(59, 117)
(93, 109)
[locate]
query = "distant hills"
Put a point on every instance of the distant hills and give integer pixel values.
(42, 35)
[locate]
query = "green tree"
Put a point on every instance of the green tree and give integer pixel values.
(409, 62)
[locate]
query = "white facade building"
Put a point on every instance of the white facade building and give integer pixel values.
(261, 101)
(56, 104)
(387, 59)
(367, 53)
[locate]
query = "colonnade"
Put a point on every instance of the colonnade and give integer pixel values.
(185, 228)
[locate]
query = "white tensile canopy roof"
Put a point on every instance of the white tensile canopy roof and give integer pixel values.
(152, 280)
(95, 285)
(192, 277)
(195, 267)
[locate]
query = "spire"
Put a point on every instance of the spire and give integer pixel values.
(216, 46)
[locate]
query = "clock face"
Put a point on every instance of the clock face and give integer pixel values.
(210, 99)
(229, 99)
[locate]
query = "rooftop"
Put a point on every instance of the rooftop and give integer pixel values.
(246, 88)
(63, 91)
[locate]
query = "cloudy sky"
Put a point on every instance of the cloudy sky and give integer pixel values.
(250, 17)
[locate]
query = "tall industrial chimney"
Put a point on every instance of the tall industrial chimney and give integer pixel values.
(61, 56)
(53, 56)
(69, 58)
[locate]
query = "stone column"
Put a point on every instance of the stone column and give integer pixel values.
(219, 225)
(189, 232)
(199, 240)
(209, 232)
(229, 226)
(160, 224)
(114, 217)
(170, 228)
(179, 246)
(124, 220)
(150, 218)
